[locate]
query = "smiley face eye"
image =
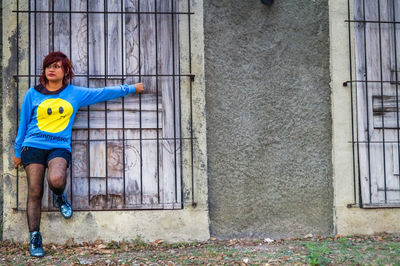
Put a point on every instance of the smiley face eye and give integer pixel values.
(61, 110)
(49, 111)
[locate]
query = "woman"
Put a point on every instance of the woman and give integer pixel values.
(44, 135)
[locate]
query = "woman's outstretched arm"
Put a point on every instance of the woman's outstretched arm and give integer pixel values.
(90, 96)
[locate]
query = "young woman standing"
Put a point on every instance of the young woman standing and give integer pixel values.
(44, 135)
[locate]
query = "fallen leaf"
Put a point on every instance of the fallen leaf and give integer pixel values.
(107, 251)
(97, 242)
(101, 246)
(158, 241)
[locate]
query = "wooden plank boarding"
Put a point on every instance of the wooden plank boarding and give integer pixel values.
(79, 42)
(131, 41)
(108, 135)
(167, 47)
(376, 103)
(41, 49)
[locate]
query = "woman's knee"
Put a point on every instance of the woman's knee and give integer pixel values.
(56, 180)
(35, 193)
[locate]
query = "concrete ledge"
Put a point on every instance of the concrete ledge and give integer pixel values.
(352, 221)
(172, 226)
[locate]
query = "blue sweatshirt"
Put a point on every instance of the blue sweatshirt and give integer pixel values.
(46, 120)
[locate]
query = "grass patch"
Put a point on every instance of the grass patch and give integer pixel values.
(318, 253)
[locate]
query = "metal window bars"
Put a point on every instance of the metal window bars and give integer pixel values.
(132, 153)
(374, 97)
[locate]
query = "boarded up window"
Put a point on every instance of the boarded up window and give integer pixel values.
(377, 43)
(127, 151)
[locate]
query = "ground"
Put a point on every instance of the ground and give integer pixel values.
(381, 249)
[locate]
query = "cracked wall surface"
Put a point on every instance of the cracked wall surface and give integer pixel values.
(268, 118)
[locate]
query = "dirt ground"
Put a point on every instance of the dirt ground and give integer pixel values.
(381, 249)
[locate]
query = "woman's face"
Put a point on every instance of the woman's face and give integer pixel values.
(54, 72)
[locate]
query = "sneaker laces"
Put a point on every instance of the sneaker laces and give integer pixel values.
(62, 200)
(36, 240)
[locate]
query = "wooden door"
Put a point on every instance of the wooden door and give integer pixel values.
(126, 152)
(377, 43)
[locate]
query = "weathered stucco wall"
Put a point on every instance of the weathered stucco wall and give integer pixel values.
(268, 118)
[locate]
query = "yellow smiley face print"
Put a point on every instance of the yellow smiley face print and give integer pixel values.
(53, 115)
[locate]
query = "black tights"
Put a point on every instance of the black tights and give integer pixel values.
(56, 178)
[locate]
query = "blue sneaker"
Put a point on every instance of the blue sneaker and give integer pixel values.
(35, 245)
(63, 205)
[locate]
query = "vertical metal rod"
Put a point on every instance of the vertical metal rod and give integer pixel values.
(123, 98)
(396, 84)
(180, 118)
(70, 31)
(173, 90)
(358, 151)
(88, 83)
(105, 85)
(140, 111)
(367, 103)
(52, 26)
(383, 117)
(397, 87)
(35, 34)
(51, 47)
(351, 105)
(70, 56)
(158, 149)
(191, 102)
(17, 97)
(356, 102)
(29, 44)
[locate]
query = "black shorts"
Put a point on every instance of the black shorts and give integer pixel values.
(34, 155)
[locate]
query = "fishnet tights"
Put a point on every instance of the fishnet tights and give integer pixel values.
(35, 174)
(56, 178)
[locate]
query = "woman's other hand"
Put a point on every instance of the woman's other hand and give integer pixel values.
(139, 87)
(17, 162)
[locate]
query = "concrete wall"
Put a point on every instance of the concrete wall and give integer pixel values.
(268, 118)
(348, 220)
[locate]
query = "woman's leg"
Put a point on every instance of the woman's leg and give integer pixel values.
(56, 175)
(57, 180)
(35, 174)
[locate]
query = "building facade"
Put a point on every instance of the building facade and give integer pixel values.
(246, 130)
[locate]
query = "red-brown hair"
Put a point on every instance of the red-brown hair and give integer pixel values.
(66, 65)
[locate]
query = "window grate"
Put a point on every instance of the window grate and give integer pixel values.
(373, 34)
(123, 129)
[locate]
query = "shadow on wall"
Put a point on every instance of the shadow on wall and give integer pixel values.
(267, 2)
